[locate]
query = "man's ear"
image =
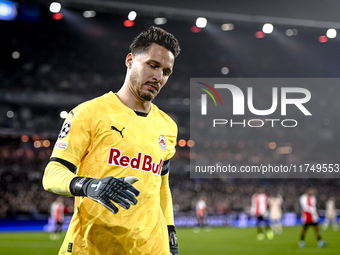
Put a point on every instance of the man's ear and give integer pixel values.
(129, 60)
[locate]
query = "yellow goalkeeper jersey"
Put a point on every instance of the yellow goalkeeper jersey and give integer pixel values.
(103, 137)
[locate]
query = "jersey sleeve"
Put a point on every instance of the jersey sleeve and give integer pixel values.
(165, 195)
(171, 149)
(74, 137)
(170, 132)
(72, 144)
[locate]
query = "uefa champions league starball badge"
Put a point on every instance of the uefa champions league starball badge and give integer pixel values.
(65, 130)
(162, 142)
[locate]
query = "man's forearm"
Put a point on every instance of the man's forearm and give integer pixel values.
(166, 203)
(57, 179)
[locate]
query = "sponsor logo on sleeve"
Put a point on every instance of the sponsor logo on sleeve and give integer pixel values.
(61, 145)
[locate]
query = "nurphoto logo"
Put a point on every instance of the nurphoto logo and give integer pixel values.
(238, 104)
(264, 127)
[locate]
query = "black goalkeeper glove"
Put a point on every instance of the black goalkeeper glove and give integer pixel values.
(119, 190)
(173, 240)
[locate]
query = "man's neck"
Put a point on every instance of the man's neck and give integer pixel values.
(133, 102)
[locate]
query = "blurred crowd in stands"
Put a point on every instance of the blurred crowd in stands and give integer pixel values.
(21, 191)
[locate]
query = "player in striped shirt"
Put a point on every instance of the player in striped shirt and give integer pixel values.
(259, 208)
(57, 214)
(309, 217)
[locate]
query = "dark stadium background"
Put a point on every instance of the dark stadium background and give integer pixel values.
(65, 62)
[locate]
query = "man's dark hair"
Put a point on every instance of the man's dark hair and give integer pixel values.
(143, 41)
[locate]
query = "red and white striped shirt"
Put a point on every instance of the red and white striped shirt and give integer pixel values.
(259, 204)
(308, 206)
(57, 211)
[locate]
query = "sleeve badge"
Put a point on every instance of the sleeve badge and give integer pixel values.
(65, 130)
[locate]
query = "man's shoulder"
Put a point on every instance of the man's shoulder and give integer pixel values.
(164, 117)
(303, 196)
(97, 103)
(103, 99)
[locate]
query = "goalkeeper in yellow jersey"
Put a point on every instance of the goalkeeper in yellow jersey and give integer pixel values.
(113, 155)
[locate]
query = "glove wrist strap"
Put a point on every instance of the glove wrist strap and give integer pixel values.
(77, 184)
(171, 228)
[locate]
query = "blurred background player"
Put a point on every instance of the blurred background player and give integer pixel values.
(331, 215)
(57, 214)
(275, 213)
(310, 217)
(259, 208)
(201, 213)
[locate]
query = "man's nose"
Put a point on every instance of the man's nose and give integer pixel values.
(158, 75)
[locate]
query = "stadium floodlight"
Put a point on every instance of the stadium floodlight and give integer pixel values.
(227, 27)
(15, 55)
(201, 22)
(8, 10)
(195, 29)
(37, 144)
(267, 28)
(57, 16)
(182, 143)
(190, 143)
(160, 21)
(128, 23)
(63, 114)
(24, 138)
(331, 33)
(132, 15)
(259, 34)
(186, 101)
(55, 7)
(10, 114)
(289, 32)
(323, 39)
(284, 150)
(46, 143)
(89, 14)
(272, 145)
(225, 70)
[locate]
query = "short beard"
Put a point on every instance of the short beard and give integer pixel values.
(144, 96)
(137, 90)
